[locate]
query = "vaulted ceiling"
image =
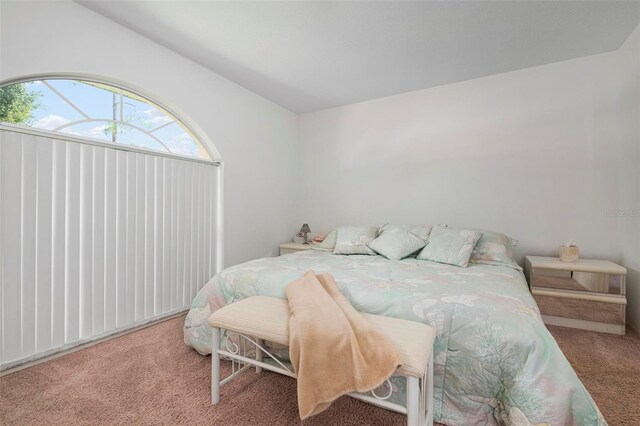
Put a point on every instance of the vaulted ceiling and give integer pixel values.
(308, 56)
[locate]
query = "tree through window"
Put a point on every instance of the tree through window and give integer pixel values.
(98, 111)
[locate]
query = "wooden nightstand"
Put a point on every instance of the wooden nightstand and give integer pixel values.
(587, 294)
(286, 248)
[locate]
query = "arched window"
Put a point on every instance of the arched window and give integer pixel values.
(98, 111)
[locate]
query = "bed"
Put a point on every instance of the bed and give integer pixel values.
(494, 360)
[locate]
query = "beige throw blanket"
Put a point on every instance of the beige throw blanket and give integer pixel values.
(334, 349)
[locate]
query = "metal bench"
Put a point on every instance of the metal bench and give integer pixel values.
(240, 330)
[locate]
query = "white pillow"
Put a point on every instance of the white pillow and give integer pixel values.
(330, 240)
(451, 246)
(355, 239)
(396, 244)
(494, 248)
(421, 231)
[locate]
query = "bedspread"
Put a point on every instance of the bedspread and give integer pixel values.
(494, 360)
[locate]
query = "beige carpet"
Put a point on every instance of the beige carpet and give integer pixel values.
(609, 367)
(151, 377)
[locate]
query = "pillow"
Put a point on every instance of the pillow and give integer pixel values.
(451, 246)
(396, 244)
(330, 241)
(494, 248)
(355, 239)
(421, 231)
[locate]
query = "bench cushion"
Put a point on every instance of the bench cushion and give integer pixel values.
(268, 318)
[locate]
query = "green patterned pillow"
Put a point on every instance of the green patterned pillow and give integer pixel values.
(355, 239)
(494, 248)
(451, 246)
(396, 244)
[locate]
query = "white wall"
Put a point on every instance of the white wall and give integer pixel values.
(539, 153)
(256, 138)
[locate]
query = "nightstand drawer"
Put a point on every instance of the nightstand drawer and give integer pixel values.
(605, 308)
(591, 282)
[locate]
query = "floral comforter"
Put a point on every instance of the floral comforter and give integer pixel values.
(494, 360)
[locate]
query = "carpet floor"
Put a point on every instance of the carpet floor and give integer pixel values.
(151, 377)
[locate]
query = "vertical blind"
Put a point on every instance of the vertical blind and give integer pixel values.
(96, 239)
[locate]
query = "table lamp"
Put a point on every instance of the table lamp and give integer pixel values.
(305, 230)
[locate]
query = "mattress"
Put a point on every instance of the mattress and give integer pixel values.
(494, 360)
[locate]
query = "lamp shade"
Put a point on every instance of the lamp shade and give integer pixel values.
(305, 229)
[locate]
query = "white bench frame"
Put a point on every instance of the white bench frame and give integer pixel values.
(419, 408)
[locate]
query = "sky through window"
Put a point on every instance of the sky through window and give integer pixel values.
(109, 114)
